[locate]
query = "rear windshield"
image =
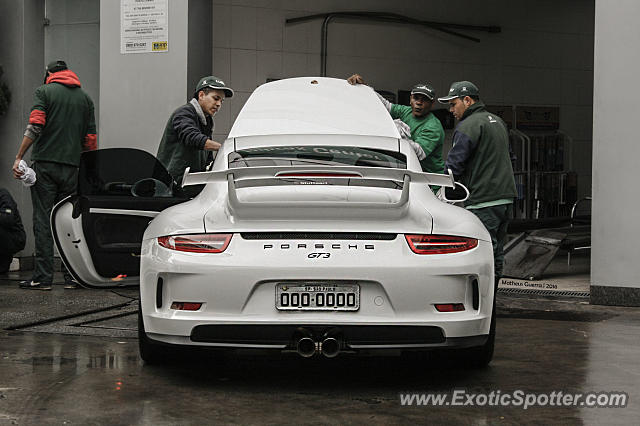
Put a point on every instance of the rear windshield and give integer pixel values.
(316, 155)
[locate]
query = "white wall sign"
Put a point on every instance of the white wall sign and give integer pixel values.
(144, 26)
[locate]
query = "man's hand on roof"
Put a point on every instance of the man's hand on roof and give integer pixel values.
(356, 79)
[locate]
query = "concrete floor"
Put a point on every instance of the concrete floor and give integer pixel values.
(84, 370)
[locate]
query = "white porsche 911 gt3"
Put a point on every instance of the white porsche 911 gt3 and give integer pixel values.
(316, 232)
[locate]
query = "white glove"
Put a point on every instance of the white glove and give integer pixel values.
(405, 133)
(29, 175)
(403, 128)
(418, 149)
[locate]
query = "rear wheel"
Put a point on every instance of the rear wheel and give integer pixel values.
(150, 352)
(154, 353)
(481, 356)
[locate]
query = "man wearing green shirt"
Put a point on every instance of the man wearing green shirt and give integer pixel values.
(426, 130)
(61, 126)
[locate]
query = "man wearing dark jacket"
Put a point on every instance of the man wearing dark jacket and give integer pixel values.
(187, 138)
(12, 236)
(61, 126)
(480, 159)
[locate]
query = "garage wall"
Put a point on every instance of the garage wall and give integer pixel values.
(138, 92)
(544, 55)
(200, 43)
(615, 272)
(72, 33)
(21, 57)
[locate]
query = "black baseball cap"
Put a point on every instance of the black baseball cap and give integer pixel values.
(424, 89)
(55, 66)
(460, 89)
(215, 83)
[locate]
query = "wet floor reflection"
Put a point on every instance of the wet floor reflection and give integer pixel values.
(612, 344)
(102, 380)
(58, 353)
(113, 360)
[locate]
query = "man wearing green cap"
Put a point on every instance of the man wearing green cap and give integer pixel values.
(188, 136)
(425, 130)
(61, 126)
(480, 159)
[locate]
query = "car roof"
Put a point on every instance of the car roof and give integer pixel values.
(313, 106)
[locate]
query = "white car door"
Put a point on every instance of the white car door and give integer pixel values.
(98, 231)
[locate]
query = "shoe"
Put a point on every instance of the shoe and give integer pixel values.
(33, 285)
(71, 285)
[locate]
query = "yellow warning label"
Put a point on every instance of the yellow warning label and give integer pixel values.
(159, 46)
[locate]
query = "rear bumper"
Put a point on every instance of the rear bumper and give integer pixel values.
(398, 294)
(354, 337)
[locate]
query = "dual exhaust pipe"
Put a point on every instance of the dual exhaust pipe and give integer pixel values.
(329, 346)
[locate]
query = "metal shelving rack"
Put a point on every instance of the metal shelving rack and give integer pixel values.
(546, 188)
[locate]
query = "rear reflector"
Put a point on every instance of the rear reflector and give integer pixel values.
(186, 306)
(196, 243)
(439, 244)
(450, 307)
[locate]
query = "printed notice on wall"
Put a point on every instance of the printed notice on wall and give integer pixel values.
(144, 26)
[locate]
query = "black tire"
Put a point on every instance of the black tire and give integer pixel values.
(150, 352)
(480, 356)
(156, 353)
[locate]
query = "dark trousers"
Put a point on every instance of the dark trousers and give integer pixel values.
(496, 219)
(11, 242)
(5, 262)
(54, 181)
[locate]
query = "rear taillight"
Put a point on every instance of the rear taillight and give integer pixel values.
(439, 244)
(196, 243)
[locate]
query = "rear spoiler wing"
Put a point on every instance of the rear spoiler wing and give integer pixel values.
(260, 209)
(333, 172)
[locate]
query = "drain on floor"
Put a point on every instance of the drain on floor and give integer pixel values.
(539, 292)
(505, 312)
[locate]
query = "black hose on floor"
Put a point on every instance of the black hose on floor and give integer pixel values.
(64, 317)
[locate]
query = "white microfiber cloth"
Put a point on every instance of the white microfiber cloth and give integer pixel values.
(29, 176)
(405, 133)
(403, 128)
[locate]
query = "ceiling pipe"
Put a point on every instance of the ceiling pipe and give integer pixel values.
(445, 27)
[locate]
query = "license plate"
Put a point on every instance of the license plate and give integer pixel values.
(317, 297)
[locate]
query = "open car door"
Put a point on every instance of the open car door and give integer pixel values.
(99, 230)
